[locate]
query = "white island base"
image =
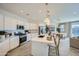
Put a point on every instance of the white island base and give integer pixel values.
(40, 46)
(39, 49)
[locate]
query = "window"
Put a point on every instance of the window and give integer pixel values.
(62, 28)
(42, 29)
(75, 29)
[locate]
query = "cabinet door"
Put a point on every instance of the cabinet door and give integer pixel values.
(14, 42)
(0, 49)
(1, 22)
(4, 47)
(20, 22)
(10, 23)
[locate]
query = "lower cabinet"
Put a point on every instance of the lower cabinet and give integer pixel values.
(14, 42)
(4, 47)
(8, 44)
(74, 42)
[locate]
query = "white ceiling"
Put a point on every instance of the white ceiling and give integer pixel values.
(38, 11)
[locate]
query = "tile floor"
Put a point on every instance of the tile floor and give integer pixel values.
(23, 50)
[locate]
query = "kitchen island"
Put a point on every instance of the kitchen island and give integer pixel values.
(40, 46)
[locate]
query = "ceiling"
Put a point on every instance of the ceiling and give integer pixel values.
(36, 12)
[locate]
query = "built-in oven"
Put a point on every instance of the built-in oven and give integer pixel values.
(22, 36)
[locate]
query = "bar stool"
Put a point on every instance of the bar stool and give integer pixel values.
(55, 46)
(51, 50)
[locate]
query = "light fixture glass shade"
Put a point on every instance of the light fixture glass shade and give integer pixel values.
(47, 21)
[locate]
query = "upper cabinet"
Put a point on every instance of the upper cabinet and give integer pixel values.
(20, 22)
(10, 23)
(1, 22)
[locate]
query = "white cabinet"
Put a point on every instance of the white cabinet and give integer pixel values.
(0, 51)
(39, 49)
(20, 22)
(4, 47)
(26, 25)
(8, 44)
(14, 42)
(1, 22)
(10, 23)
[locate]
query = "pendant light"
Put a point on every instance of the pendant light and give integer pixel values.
(47, 20)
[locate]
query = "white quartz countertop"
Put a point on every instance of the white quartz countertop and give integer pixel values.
(42, 40)
(35, 38)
